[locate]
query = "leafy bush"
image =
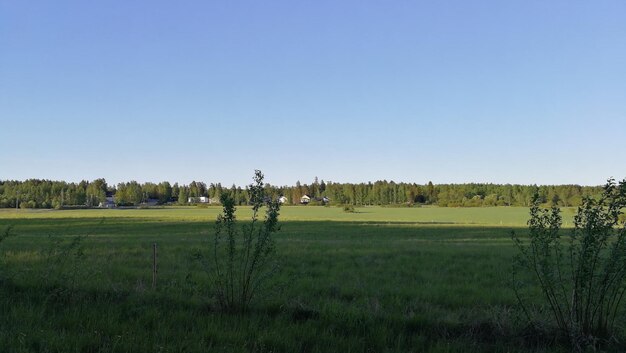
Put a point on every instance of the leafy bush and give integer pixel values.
(583, 282)
(243, 257)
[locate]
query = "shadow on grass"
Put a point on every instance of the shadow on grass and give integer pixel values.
(362, 260)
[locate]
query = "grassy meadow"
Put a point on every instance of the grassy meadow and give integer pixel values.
(377, 280)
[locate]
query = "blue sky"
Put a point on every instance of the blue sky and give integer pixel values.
(448, 91)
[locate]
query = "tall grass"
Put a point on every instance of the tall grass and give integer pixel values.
(351, 286)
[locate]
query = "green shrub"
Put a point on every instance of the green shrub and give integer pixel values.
(348, 208)
(582, 282)
(242, 258)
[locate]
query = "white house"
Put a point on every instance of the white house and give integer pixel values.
(201, 199)
(283, 199)
(305, 199)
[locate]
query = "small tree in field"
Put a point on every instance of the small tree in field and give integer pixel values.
(243, 257)
(582, 277)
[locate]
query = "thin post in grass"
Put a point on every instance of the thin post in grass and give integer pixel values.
(154, 265)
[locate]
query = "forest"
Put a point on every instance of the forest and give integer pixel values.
(37, 193)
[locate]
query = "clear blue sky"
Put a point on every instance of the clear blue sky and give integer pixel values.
(448, 91)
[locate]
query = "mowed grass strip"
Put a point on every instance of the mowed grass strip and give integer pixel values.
(383, 281)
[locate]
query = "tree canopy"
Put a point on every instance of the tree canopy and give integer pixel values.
(35, 193)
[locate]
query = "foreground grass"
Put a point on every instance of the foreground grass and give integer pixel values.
(367, 282)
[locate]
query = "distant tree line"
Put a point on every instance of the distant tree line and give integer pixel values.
(34, 193)
(445, 195)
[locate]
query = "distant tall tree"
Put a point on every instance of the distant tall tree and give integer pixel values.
(183, 195)
(431, 194)
(129, 193)
(315, 188)
(150, 190)
(298, 192)
(175, 189)
(96, 192)
(195, 189)
(164, 192)
(80, 197)
(508, 194)
(191, 190)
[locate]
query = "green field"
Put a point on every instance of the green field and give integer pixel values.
(480, 216)
(378, 280)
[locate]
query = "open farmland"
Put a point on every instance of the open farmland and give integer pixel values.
(377, 280)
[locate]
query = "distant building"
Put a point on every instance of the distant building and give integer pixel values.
(305, 199)
(283, 199)
(109, 203)
(199, 199)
